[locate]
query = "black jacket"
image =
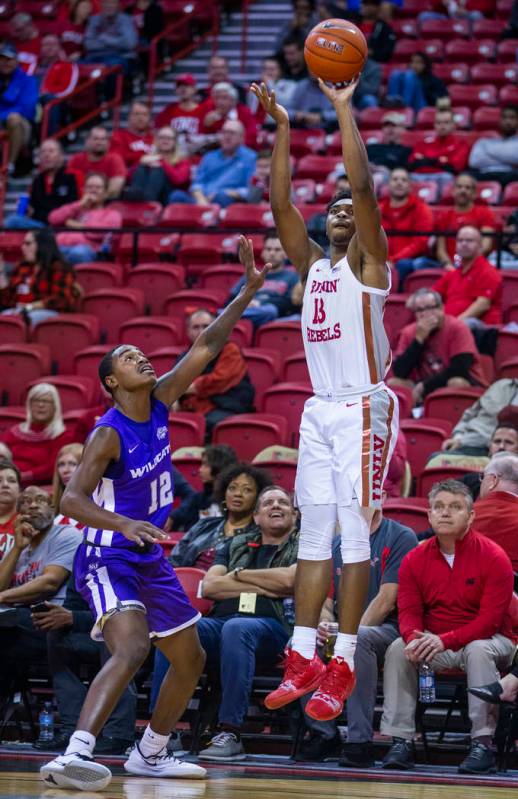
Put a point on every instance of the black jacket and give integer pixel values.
(64, 190)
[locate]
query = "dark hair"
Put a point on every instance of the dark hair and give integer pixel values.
(345, 194)
(509, 425)
(101, 175)
(509, 107)
(260, 477)
(273, 487)
(264, 154)
(270, 234)
(106, 369)
(48, 252)
(427, 61)
(293, 38)
(218, 457)
(6, 464)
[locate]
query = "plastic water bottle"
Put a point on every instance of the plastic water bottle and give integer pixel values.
(23, 204)
(426, 684)
(288, 606)
(46, 722)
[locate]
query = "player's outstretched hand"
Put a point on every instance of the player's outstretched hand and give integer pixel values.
(142, 533)
(254, 278)
(268, 102)
(339, 96)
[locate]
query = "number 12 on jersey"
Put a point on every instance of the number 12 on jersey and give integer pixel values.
(161, 493)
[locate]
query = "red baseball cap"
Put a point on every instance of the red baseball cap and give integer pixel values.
(186, 79)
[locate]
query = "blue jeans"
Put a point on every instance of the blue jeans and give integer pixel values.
(366, 101)
(406, 85)
(79, 253)
(261, 314)
(232, 644)
(405, 266)
(220, 198)
(19, 222)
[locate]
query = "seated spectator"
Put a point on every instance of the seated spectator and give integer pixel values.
(96, 158)
(252, 575)
(511, 29)
(148, 18)
(5, 452)
(18, 100)
(73, 21)
(67, 461)
(464, 211)
(52, 187)
(111, 38)
(300, 23)
(161, 171)
(445, 9)
(389, 153)
(389, 543)
(186, 114)
(90, 211)
(10, 487)
(292, 59)
(218, 71)
(417, 86)
(136, 139)
(25, 36)
(273, 300)
(203, 504)
(310, 108)
(437, 156)
(271, 76)
(259, 189)
(497, 159)
(224, 388)
(435, 351)
(236, 491)
(223, 105)
(42, 284)
(509, 252)
(404, 211)
(367, 91)
(472, 291)
(223, 175)
(36, 442)
(397, 467)
(57, 77)
(498, 500)
(451, 622)
(380, 36)
(472, 433)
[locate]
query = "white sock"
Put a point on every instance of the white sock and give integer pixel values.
(304, 641)
(152, 743)
(345, 647)
(81, 741)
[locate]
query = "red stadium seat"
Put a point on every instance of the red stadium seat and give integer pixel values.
(113, 307)
(469, 51)
(184, 302)
(504, 8)
(497, 74)
(243, 333)
(396, 314)
(421, 440)
(423, 278)
(445, 28)
(508, 95)
(426, 117)
(9, 416)
(405, 48)
(65, 334)
(435, 475)
(450, 403)
(223, 277)
(189, 467)
(148, 333)
(506, 348)
(373, 117)
(296, 369)
(186, 429)
(508, 368)
(190, 217)
(303, 191)
(405, 399)
(409, 138)
(150, 246)
(144, 214)
(304, 142)
(413, 516)
(488, 367)
(164, 358)
(511, 194)
(231, 244)
(509, 287)
(246, 216)
(86, 362)
(74, 391)
(282, 472)
(288, 399)
(506, 51)
(411, 8)
(308, 210)
(13, 330)
(404, 28)
(156, 281)
(10, 244)
(486, 118)
(488, 28)
(452, 73)
(201, 248)
(20, 364)
(169, 543)
(317, 167)
(511, 313)
(190, 580)
(473, 96)
(286, 337)
(264, 368)
(98, 275)
(250, 433)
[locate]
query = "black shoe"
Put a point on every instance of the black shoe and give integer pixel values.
(480, 760)
(488, 693)
(400, 755)
(112, 746)
(317, 748)
(357, 755)
(58, 744)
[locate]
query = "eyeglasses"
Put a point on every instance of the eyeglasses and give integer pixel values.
(426, 308)
(39, 499)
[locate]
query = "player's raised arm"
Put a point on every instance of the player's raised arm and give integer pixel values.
(367, 252)
(209, 343)
(300, 249)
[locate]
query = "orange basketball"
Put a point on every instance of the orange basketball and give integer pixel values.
(335, 50)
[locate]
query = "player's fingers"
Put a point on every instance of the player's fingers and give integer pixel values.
(153, 532)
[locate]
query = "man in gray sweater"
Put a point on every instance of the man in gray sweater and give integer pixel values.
(472, 434)
(497, 159)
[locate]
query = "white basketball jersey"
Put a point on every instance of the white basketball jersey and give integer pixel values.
(347, 349)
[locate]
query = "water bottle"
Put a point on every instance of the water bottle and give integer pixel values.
(329, 646)
(426, 684)
(23, 204)
(46, 722)
(288, 607)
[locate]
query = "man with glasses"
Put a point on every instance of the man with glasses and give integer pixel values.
(436, 350)
(499, 499)
(454, 595)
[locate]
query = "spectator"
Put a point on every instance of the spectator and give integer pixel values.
(449, 621)
(471, 435)
(380, 36)
(10, 487)
(73, 23)
(96, 158)
(292, 59)
(57, 77)
(203, 504)
(310, 108)
(136, 139)
(5, 452)
(52, 187)
(218, 71)
(236, 491)
(223, 105)
(389, 153)
(436, 350)
(367, 91)
(464, 211)
(499, 500)
(251, 576)
(273, 301)
(159, 172)
(397, 468)
(111, 38)
(472, 291)
(497, 159)
(186, 114)
(148, 18)
(509, 253)
(223, 175)
(67, 461)
(90, 211)
(304, 18)
(259, 189)
(36, 442)
(511, 29)
(389, 543)
(417, 86)
(445, 9)
(438, 155)
(18, 100)
(25, 36)
(402, 211)
(42, 284)
(271, 76)
(224, 388)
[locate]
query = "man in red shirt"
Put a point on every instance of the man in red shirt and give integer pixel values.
(136, 140)
(499, 500)
(455, 591)
(185, 115)
(222, 105)
(442, 152)
(96, 158)
(436, 350)
(27, 40)
(405, 212)
(10, 488)
(473, 290)
(464, 211)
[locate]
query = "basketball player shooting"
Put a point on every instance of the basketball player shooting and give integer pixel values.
(122, 492)
(348, 428)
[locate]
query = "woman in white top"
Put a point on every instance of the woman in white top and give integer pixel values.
(67, 462)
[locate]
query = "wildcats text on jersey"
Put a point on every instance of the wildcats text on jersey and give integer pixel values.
(139, 471)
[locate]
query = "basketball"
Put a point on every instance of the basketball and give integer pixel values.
(335, 50)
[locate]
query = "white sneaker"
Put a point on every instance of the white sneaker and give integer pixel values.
(77, 770)
(163, 764)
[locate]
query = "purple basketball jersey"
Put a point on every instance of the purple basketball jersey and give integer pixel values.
(140, 484)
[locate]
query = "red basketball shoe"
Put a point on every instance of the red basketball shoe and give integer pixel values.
(300, 677)
(327, 703)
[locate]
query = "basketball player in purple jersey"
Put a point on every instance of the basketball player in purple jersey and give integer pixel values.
(122, 492)
(348, 428)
